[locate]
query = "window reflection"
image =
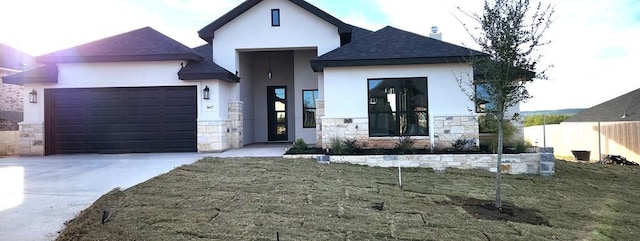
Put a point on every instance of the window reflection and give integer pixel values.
(398, 107)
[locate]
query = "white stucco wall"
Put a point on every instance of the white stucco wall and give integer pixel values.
(126, 74)
(253, 31)
(346, 92)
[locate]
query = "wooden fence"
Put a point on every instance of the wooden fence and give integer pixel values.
(616, 138)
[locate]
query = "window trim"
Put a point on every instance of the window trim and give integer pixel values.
(275, 17)
(304, 109)
(398, 113)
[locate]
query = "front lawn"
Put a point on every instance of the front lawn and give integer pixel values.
(261, 198)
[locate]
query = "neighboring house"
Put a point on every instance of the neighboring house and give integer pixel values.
(271, 71)
(610, 128)
(11, 99)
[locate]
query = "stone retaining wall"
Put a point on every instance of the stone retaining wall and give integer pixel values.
(542, 163)
(9, 143)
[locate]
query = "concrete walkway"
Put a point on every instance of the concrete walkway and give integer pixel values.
(38, 194)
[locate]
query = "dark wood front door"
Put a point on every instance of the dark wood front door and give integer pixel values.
(277, 113)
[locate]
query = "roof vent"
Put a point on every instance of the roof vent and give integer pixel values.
(624, 115)
(434, 33)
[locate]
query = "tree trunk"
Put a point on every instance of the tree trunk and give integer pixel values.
(499, 164)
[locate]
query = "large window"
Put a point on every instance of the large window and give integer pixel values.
(398, 107)
(309, 108)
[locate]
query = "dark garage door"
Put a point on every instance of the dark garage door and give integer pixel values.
(121, 120)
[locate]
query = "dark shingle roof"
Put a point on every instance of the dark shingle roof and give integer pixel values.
(392, 46)
(41, 74)
(145, 44)
(206, 33)
(205, 68)
(627, 105)
(12, 58)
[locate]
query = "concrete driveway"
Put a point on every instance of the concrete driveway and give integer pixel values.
(38, 194)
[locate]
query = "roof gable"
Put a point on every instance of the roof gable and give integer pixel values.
(207, 33)
(391, 46)
(627, 105)
(145, 44)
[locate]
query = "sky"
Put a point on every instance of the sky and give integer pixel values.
(593, 56)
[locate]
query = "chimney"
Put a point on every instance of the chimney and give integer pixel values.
(434, 33)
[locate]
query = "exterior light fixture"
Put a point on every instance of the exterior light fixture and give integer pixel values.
(205, 93)
(269, 73)
(33, 96)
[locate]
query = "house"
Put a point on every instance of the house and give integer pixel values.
(270, 71)
(610, 128)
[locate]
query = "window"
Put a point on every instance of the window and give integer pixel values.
(309, 108)
(483, 102)
(398, 107)
(275, 17)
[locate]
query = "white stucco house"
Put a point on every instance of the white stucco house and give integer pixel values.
(270, 71)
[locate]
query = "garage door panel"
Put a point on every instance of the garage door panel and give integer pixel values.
(128, 146)
(70, 129)
(125, 137)
(70, 137)
(104, 103)
(117, 120)
(140, 111)
(107, 128)
(179, 127)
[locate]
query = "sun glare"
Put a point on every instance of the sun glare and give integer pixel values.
(11, 187)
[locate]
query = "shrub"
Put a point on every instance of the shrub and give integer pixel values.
(299, 145)
(337, 146)
(521, 146)
(404, 145)
(351, 145)
(462, 144)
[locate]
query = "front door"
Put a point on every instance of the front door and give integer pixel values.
(277, 113)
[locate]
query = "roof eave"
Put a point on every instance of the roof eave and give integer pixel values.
(227, 77)
(43, 75)
(319, 65)
(117, 58)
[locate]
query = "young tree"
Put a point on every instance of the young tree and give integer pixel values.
(510, 33)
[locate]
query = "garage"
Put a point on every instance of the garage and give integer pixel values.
(120, 120)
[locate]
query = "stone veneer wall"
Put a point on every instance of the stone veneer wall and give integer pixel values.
(212, 136)
(9, 143)
(319, 115)
(31, 138)
(11, 97)
(10, 101)
(527, 163)
(235, 126)
(447, 129)
(220, 135)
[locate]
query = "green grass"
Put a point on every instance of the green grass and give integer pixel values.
(253, 198)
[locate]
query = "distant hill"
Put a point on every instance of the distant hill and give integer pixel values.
(552, 112)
